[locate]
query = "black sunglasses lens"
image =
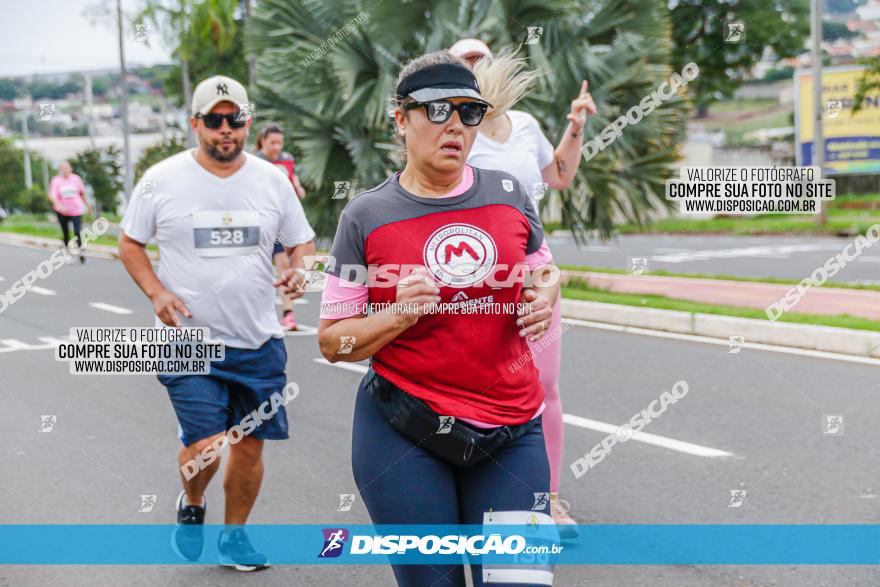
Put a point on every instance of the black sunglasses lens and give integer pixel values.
(471, 113)
(213, 121)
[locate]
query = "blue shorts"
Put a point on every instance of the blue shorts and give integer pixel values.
(210, 404)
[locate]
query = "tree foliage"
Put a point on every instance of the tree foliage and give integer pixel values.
(331, 89)
(698, 28)
(100, 168)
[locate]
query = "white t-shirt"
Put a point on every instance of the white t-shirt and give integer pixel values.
(215, 238)
(524, 154)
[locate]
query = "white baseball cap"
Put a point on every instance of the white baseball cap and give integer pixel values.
(470, 47)
(216, 89)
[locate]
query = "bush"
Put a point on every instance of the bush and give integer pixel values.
(156, 153)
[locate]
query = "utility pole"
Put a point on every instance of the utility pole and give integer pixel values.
(45, 175)
(123, 86)
(28, 180)
(89, 109)
(818, 106)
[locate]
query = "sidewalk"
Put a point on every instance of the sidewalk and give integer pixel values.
(830, 301)
(52, 244)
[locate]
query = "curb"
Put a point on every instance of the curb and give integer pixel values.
(819, 338)
(92, 250)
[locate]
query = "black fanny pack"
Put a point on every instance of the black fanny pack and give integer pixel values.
(447, 437)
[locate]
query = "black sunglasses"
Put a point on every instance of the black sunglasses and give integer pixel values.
(215, 121)
(439, 111)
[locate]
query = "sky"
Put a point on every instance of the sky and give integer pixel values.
(53, 36)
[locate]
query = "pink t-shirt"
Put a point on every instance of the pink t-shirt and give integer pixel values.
(66, 194)
(350, 296)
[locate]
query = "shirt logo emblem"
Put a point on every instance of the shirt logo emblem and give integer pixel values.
(460, 255)
(227, 218)
(507, 185)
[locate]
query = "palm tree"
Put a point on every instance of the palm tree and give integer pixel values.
(334, 97)
(206, 38)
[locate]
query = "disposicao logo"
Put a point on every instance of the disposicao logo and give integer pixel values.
(334, 541)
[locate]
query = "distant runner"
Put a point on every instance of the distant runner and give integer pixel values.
(68, 196)
(215, 212)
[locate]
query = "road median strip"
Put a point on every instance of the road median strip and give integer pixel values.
(804, 336)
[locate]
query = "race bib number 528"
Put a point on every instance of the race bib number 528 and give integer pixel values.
(226, 233)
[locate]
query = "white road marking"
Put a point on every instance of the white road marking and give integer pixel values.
(670, 443)
(756, 251)
(9, 345)
(13, 344)
(42, 291)
(110, 308)
(662, 441)
(723, 342)
(347, 366)
(302, 330)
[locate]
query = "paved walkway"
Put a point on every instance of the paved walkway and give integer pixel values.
(818, 300)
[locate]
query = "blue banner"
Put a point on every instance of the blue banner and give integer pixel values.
(637, 544)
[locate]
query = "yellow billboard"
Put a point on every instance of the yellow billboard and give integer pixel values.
(852, 142)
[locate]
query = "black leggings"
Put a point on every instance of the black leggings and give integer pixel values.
(402, 483)
(77, 223)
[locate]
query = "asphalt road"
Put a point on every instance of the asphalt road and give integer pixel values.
(115, 439)
(788, 257)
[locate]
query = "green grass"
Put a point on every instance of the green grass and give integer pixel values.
(50, 232)
(578, 290)
(857, 198)
(40, 225)
(741, 105)
(735, 128)
(770, 280)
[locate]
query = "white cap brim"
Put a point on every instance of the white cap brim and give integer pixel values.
(429, 94)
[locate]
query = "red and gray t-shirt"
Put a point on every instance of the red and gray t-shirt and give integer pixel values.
(462, 363)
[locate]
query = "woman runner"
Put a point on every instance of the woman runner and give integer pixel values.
(466, 440)
(68, 196)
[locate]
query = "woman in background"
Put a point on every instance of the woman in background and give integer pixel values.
(270, 144)
(68, 196)
(512, 140)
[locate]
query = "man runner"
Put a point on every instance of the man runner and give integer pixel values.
(215, 213)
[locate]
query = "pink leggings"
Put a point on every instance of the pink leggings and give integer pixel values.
(548, 360)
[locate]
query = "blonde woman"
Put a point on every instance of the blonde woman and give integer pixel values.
(511, 140)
